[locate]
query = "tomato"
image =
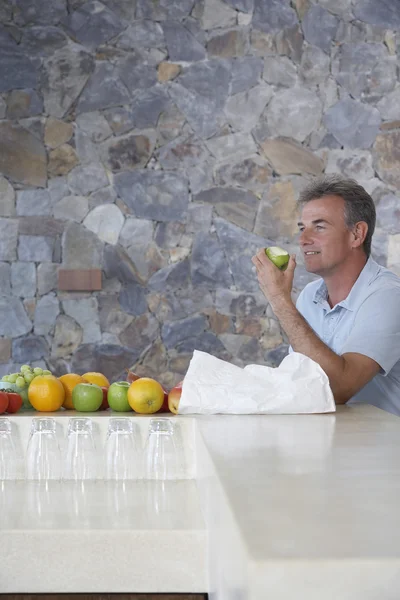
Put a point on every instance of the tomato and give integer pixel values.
(3, 402)
(14, 402)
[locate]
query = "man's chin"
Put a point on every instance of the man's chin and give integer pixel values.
(310, 269)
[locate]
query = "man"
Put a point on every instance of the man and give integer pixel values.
(349, 320)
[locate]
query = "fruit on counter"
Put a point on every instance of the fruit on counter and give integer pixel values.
(145, 395)
(174, 398)
(165, 406)
(14, 402)
(69, 381)
(278, 256)
(97, 378)
(104, 405)
(131, 376)
(23, 379)
(87, 397)
(118, 396)
(3, 402)
(46, 393)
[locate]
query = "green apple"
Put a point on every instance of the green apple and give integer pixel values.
(278, 256)
(87, 397)
(118, 396)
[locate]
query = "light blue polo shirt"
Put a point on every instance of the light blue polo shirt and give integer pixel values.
(367, 322)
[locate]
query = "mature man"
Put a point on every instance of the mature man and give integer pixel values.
(348, 321)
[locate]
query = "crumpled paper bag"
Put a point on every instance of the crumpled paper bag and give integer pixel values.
(212, 386)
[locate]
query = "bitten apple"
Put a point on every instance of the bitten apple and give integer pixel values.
(174, 398)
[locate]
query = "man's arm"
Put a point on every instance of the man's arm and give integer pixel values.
(347, 373)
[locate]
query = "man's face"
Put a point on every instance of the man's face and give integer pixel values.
(325, 240)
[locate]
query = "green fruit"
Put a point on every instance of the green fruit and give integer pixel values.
(38, 371)
(20, 382)
(24, 395)
(13, 377)
(278, 256)
(25, 368)
(117, 396)
(46, 372)
(5, 378)
(28, 377)
(87, 397)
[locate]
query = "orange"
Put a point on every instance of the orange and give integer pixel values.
(97, 378)
(69, 381)
(145, 395)
(46, 393)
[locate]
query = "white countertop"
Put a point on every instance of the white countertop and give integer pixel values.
(315, 501)
(279, 507)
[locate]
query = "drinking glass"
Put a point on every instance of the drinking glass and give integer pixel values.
(7, 451)
(161, 459)
(43, 456)
(81, 457)
(122, 460)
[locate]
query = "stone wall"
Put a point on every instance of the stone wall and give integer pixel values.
(164, 141)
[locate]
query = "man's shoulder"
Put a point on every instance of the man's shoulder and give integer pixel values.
(384, 280)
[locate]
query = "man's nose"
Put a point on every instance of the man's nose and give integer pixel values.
(304, 238)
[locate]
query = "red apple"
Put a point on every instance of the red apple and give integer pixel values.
(104, 405)
(165, 407)
(131, 376)
(174, 398)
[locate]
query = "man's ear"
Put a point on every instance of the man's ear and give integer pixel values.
(360, 231)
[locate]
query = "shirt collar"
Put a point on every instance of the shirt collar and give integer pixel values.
(367, 274)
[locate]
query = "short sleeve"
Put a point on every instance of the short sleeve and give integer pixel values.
(376, 329)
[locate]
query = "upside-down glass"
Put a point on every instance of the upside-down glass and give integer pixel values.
(7, 451)
(81, 461)
(161, 461)
(122, 459)
(43, 456)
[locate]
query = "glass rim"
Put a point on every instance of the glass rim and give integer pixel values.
(161, 425)
(5, 425)
(43, 425)
(80, 425)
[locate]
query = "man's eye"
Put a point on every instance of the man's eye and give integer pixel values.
(319, 227)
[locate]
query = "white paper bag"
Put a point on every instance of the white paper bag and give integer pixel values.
(212, 386)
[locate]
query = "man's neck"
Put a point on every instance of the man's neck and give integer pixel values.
(340, 283)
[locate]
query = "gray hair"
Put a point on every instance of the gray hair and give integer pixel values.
(358, 204)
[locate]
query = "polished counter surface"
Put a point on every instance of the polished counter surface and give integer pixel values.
(272, 506)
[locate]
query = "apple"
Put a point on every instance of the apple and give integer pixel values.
(145, 395)
(165, 407)
(278, 256)
(131, 376)
(87, 397)
(14, 402)
(3, 402)
(104, 405)
(174, 398)
(118, 396)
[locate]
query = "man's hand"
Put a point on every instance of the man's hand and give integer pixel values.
(275, 284)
